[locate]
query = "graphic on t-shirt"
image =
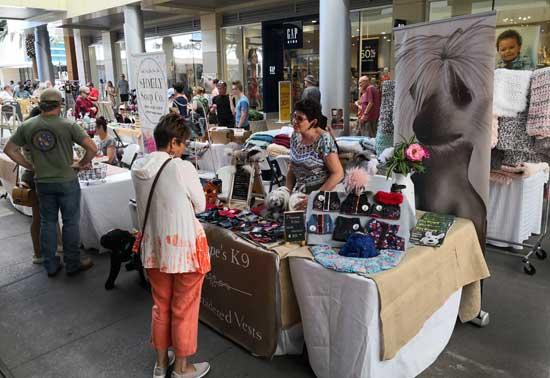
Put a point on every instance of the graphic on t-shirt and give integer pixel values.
(44, 140)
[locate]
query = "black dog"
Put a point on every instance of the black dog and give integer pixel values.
(120, 243)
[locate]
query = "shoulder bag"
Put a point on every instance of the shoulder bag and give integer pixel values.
(21, 194)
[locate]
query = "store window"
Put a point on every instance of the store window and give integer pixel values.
(375, 56)
(242, 60)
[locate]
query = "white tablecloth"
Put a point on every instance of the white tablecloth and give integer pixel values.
(341, 323)
(215, 157)
(104, 207)
(515, 210)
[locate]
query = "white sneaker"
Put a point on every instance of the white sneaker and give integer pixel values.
(161, 372)
(37, 260)
(201, 369)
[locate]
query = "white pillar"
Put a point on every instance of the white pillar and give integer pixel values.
(109, 53)
(134, 37)
(334, 57)
(94, 75)
(43, 54)
(82, 56)
(168, 48)
(211, 48)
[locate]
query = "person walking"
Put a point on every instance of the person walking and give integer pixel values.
(50, 140)
(221, 104)
(110, 92)
(311, 90)
(123, 89)
(173, 246)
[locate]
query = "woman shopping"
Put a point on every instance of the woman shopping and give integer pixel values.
(110, 91)
(107, 144)
(314, 162)
(173, 247)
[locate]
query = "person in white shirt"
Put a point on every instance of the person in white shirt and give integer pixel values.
(6, 95)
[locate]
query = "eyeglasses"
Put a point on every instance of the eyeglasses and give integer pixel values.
(298, 117)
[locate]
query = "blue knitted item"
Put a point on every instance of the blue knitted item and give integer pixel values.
(359, 245)
(383, 141)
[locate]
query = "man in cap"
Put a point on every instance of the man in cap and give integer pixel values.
(49, 139)
(311, 91)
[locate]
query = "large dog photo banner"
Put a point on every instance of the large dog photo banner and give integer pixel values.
(444, 95)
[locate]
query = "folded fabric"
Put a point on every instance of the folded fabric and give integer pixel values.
(344, 227)
(538, 123)
(499, 178)
(320, 224)
(283, 140)
(385, 122)
(260, 137)
(356, 204)
(327, 257)
(326, 201)
(513, 134)
(511, 88)
(531, 169)
(513, 158)
(256, 143)
(346, 146)
(275, 150)
(385, 235)
(359, 245)
(542, 146)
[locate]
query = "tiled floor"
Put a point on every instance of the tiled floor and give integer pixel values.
(66, 327)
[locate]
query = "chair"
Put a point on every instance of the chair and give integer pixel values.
(10, 117)
(129, 155)
(226, 175)
(283, 161)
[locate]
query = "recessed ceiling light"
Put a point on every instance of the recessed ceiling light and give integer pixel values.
(314, 21)
(383, 32)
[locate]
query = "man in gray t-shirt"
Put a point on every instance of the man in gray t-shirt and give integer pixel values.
(123, 88)
(311, 91)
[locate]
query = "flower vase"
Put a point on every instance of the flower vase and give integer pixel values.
(408, 192)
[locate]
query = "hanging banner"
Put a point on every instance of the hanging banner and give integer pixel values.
(293, 35)
(285, 101)
(151, 91)
(369, 55)
(444, 96)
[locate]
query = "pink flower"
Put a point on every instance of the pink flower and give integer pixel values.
(426, 153)
(415, 152)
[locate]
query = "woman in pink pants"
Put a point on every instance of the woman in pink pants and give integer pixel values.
(174, 249)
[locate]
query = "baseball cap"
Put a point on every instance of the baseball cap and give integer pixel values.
(51, 95)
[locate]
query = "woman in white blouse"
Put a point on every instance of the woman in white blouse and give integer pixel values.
(174, 249)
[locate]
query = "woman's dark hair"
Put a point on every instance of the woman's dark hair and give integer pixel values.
(179, 87)
(101, 123)
(34, 112)
(215, 81)
(171, 126)
(510, 34)
(312, 110)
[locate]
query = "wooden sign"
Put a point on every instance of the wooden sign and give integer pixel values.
(295, 227)
(285, 101)
(241, 187)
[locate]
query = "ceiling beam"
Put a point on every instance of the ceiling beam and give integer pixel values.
(85, 27)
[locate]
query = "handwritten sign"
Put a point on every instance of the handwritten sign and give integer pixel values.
(294, 224)
(151, 90)
(241, 187)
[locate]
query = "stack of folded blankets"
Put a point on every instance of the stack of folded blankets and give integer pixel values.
(521, 108)
(384, 134)
(276, 142)
(355, 144)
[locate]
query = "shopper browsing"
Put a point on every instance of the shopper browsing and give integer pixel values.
(241, 105)
(123, 89)
(110, 91)
(180, 99)
(50, 140)
(311, 91)
(509, 45)
(199, 102)
(174, 249)
(221, 104)
(94, 93)
(83, 105)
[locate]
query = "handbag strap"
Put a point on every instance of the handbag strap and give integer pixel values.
(149, 200)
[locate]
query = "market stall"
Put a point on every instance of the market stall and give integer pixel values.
(211, 157)
(128, 133)
(8, 177)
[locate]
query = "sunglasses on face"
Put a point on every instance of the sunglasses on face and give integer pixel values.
(299, 118)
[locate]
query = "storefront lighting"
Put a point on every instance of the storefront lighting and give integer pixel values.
(383, 32)
(314, 21)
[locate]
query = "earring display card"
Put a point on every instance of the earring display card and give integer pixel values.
(403, 219)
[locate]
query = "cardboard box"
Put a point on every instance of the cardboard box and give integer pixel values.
(221, 136)
(240, 138)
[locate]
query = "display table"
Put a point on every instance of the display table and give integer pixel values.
(127, 134)
(248, 296)
(212, 157)
(394, 323)
(104, 207)
(515, 210)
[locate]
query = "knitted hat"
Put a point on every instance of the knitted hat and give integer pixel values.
(51, 95)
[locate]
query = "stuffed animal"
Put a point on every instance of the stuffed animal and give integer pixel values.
(431, 240)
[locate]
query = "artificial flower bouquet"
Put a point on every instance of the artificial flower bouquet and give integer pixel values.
(408, 157)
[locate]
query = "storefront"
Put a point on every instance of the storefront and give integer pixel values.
(256, 54)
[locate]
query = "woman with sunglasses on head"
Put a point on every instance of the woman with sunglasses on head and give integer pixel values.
(173, 246)
(314, 162)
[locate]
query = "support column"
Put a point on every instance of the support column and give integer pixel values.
(94, 75)
(168, 48)
(81, 44)
(334, 57)
(211, 47)
(70, 53)
(109, 42)
(134, 37)
(43, 53)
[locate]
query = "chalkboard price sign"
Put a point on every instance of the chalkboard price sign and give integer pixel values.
(241, 188)
(295, 228)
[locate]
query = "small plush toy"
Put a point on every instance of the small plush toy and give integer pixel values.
(356, 180)
(430, 239)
